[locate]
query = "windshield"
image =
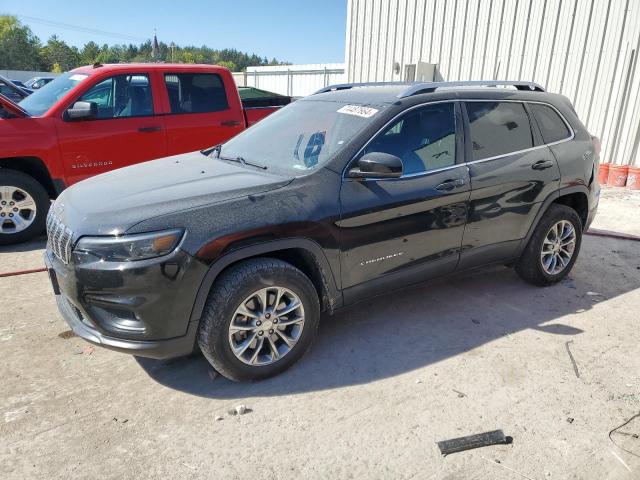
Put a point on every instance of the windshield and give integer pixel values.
(43, 99)
(300, 137)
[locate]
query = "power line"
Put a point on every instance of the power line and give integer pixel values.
(79, 28)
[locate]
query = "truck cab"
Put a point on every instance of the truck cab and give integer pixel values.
(98, 118)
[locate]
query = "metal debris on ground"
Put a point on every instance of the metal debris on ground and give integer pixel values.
(616, 430)
(460, 394)
(573, 360)
(594, 294)
(239, 410)
(495, 437)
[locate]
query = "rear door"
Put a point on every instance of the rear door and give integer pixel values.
(395, 231)
(201, 112)
(512, 172)
(126, 130)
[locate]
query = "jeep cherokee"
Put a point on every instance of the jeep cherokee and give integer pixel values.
(350, 192)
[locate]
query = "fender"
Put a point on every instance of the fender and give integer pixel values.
(335, 296)
(545, 205)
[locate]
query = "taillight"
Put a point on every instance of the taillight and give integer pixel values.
(596, 144)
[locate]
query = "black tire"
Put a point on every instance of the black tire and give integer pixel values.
(530, 267)
(229, 291)
(40, 196)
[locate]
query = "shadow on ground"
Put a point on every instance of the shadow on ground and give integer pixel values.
(411, 328)
(37, 243)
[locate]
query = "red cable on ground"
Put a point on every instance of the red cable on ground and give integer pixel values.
(609, 234)
(23, 272)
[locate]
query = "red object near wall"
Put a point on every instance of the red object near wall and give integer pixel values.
(633, 178)
(618, 175)
(603, 173)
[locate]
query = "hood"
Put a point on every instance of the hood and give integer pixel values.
(12, 107)
(112, 203)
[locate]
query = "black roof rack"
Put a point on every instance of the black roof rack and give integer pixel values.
(430, 87)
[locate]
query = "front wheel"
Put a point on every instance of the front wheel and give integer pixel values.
(260, 318)
(24, 204)
(553, 247)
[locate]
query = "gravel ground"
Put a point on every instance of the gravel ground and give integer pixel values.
(384, 382)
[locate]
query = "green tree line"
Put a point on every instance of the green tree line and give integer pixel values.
(20, 49)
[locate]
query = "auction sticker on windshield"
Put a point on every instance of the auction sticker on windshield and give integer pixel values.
(358, 110)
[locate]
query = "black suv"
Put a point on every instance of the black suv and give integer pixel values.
(350, 192)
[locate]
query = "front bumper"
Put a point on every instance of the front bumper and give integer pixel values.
(142, 308)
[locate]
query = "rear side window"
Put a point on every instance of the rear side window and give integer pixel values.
(196, 92)
(552, 127)
(498, 128)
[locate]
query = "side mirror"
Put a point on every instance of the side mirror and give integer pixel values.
(377, 165)
(82, 111)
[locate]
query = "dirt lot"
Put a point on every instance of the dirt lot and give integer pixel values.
(385, 381)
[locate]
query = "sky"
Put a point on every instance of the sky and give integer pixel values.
(299, 31)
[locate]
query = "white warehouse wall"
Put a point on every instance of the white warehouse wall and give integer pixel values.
(584, 49)
(295, 80)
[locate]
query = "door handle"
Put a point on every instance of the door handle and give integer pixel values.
(154, 128)
(230, 123)
(542, 164)
(450, 184)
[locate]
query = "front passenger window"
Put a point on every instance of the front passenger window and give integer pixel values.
(121, 96)
(425, 139)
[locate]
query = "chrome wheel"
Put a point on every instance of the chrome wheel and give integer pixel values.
(266, 326)
(558, 247)
(17, 210)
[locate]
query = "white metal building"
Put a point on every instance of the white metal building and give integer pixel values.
(293, 80)
(584, 49)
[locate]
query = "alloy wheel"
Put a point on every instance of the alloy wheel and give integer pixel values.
(266, 326)
(17, 210)
(558, 247)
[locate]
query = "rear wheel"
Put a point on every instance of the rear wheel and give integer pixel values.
(24, 204)
(553, 247)
(260, 318)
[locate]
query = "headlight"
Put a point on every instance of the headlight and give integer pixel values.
(127, 248)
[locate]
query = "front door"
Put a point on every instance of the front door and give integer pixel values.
(402, 230)
(125, 132)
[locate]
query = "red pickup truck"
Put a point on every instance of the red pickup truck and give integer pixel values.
(97, 118)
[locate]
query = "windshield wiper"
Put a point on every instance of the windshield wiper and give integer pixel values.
(242, 161)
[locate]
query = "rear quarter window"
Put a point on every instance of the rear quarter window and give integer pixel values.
(498, 128)
(196, 92)
(552, 127)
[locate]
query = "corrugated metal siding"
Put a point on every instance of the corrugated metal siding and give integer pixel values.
(295, 80)
(585, 49)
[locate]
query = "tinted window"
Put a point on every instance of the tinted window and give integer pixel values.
(196, 92)
(498, 128)
(425, 139)
(121, 96)
(551, 125)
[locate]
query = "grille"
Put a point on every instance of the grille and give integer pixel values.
(58, 237)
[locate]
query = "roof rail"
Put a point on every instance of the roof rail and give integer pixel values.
(347, 86)
(430, 87)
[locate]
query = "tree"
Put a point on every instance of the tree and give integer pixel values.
(19, 47)
(56, 51)
(89, 53)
